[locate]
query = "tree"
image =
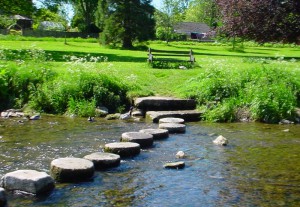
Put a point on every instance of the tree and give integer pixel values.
(172, 12)
(6, 21)
(12, 7)
(44, 14)
(261, 20)
(124, 21)
(84, 17)
(204, 11)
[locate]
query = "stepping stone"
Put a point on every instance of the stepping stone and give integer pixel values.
(28, 182)
(187, 115)
(104, 160)
(156, 133)
(3, 199)
(155, 103)
(173, 128)
(171, 120)
(175, 165)
(124, 149)
(145, 140)
(72, 169)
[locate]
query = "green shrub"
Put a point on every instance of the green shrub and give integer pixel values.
(82, 108)
(19, 81)
(268, 94)
(80, 86)
(161, 64)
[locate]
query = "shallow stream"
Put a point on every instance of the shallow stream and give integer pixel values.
(259, 167)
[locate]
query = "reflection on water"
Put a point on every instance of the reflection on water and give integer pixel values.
(259, 167)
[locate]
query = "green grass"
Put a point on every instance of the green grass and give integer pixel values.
(220, 76)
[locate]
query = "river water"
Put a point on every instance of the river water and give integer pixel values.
(259, 167)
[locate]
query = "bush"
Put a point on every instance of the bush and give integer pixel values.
(78, 90)
(266, 94)
(171, 65)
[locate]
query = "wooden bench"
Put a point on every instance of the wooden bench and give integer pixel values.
(168, 55)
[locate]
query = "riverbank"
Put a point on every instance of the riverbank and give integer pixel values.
(256, 84)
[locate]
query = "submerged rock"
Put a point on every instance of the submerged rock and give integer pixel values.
(220, 140)
(3, 199)
(180, 154)
(285, 121)
(101, 111)
(113, 116)
(175, 165)
(28, 182)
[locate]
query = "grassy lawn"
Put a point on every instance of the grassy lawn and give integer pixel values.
(131, 64)
(215, 63)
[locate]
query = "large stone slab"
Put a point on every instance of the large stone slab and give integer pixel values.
(27, 181)
(155, 103)
(187, 115)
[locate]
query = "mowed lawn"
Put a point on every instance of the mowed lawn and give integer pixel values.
(132, 66)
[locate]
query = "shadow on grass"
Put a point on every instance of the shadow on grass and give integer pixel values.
(244, 55)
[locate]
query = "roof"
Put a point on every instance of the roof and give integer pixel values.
(18, 17)
(191, 27)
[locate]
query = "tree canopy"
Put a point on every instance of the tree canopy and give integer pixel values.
(172, 12)
(124, 21)
(12, 7)
(204, 11)
(261, 20)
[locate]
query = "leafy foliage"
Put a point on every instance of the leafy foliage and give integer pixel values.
(266, 93)
(6, 21)
(173, 11)
(12, 7)
(124, 21)
(205, 11)
(262, 21)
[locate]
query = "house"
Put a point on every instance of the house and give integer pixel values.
(23, 22)
(193, 30)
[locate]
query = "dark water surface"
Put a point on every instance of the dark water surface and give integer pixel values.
(259, 167)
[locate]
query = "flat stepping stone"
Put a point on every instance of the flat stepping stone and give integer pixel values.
(28, 182)
(157, 103)
(175, 165)
(145, 140)
(173, 128)
(3, 199)
(156, 133)
(171, 120)
(187, 115)
(72, 169)
(104, 160)
(124, 149)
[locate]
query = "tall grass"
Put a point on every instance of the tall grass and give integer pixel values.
(76, 90)
(265, 93)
